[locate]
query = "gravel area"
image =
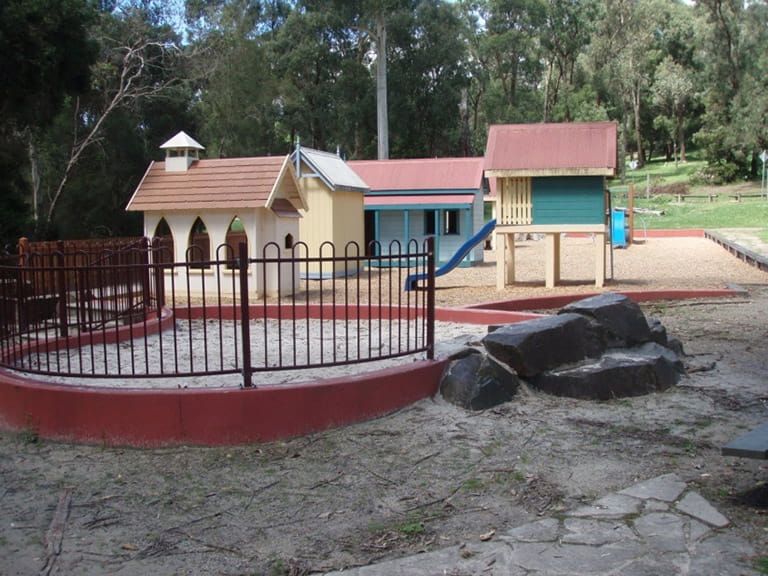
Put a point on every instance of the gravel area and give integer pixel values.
(652, 264)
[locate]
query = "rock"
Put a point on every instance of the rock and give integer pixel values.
(476, 382)
(617, 374)
(623, 320)
(658, 331)
(676, 346)
(534, 346)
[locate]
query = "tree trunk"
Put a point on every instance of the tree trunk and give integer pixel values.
(382, 117)
(638, 137)
(681, 136)
(466, 144)
(34, 175)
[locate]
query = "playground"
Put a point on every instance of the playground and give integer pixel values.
(430, 475)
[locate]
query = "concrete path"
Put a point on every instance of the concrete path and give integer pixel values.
(655, 528)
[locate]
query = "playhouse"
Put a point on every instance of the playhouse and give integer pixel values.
(550, 179)
(197, 206)
(413, 199)
(334, 221)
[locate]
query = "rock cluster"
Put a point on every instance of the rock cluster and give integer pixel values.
(598, 348)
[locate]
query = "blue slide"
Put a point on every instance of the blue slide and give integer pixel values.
(459, 255)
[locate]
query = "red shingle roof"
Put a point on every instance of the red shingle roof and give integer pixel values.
(217, 183)
(420, 174)
(587, 148)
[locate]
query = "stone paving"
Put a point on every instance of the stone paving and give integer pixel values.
(655, 528)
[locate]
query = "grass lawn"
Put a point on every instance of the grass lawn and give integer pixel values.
(658, 171)
(724, 212)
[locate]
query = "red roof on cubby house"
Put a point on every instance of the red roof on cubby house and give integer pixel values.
(261, 182)
(453, 174)
(568, 149)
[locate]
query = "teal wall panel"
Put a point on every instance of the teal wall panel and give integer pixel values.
(568, 200)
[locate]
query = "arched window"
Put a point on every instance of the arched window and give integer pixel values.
(199, 245)
(235, 235)
(164, 253)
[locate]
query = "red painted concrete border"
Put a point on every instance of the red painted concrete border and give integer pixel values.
(689, 233)
(140, 417)
(208, 417)
(560, 300)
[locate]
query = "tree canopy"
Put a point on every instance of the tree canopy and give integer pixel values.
(90, 88)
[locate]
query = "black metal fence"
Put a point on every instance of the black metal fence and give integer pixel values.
(134, 313)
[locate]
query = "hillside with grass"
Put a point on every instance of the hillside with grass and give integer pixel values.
(676, 197)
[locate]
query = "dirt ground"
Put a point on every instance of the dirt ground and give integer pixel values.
(429, 476)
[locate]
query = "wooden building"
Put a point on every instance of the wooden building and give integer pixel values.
(335, 196)
(416, 198)
(550, 179)
(199, 207)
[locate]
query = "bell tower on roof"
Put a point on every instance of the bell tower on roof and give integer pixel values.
(181, 152)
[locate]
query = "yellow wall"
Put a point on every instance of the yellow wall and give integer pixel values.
(335, 217)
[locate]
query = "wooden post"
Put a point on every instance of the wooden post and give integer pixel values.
(631, 213)
(600, 246)
(552, 259)
(505, 259)
(61, 280)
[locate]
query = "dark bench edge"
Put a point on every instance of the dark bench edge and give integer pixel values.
(753, 444)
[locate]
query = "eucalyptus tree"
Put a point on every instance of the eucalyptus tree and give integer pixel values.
(673, 90)
(732, 40)
(138, 62)
(625, 52)
(237, 101)
(427, 60)
(315, 56)
(750, 107)
(511, 49)
(566, 34)
(473, 125)
(370, 21)
(47, 54)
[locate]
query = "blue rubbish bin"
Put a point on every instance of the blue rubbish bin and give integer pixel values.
(619, 226)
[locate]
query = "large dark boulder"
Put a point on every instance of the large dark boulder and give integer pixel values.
(618, 373)
(623, 320)
(534, 346)
(475, 381)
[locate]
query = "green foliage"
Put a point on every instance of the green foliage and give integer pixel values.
(251, 78)
(697, 214)
(411, 529)
(761, 564)
(426, 78)
(46, 55)
(660, 172)
(15, 216)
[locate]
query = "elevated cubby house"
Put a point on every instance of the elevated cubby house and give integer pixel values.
(550, 179)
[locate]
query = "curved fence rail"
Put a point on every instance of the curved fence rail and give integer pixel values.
(131, 312)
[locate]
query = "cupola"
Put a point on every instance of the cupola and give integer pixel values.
(181, 152)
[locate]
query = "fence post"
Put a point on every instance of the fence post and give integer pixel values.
(61, 280)
(245, 321)
(146, 259)
(431, 298)
(21, 284)
(158, 270)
